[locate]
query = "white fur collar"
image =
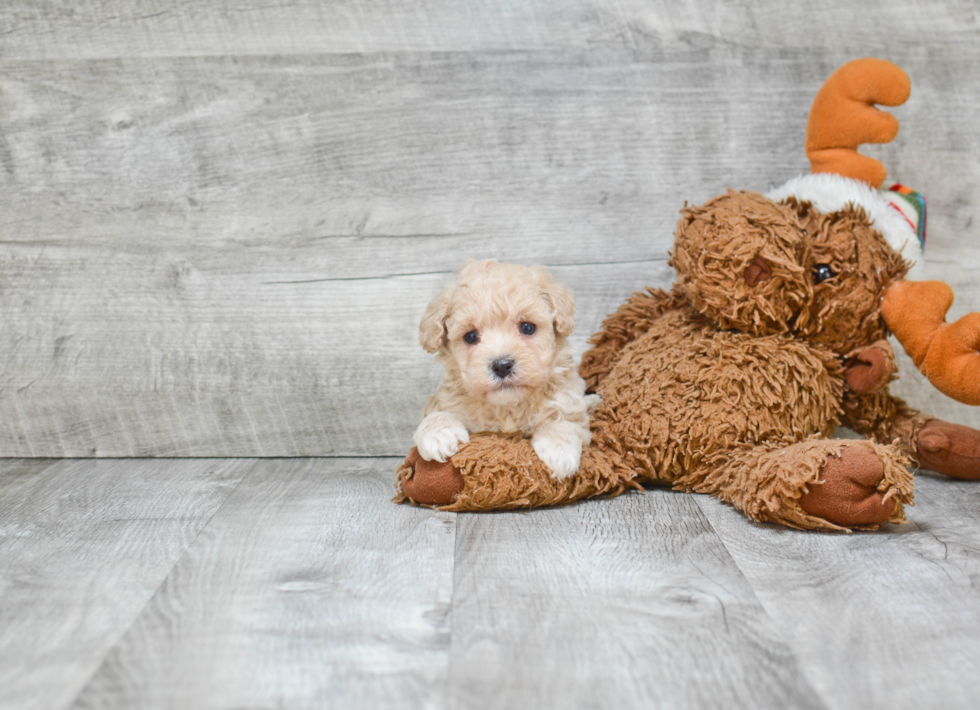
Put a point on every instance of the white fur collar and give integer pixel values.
(829, 192)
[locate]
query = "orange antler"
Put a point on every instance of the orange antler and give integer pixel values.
(946, 353)
(843, 116)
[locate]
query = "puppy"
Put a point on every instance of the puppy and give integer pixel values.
(501, 333)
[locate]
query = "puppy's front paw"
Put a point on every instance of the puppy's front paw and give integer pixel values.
(561, 454)
(440, 444)
(439, 437)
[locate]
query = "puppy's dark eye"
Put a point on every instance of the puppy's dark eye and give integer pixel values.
(472, 338)
(822, 272)
(528, 328)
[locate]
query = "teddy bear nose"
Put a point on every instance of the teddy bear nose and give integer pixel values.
(757, 271)
(502, 367)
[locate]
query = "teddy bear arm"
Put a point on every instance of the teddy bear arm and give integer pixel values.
(870, 369)
(631, 319)
(502, 471)
(883, 418)
(943, 447)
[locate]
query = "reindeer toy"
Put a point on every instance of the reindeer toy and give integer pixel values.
(733, 382)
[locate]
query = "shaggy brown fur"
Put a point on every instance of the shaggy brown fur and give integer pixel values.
(844, 312)
(718, 241)
(731, 383)
(500, 477)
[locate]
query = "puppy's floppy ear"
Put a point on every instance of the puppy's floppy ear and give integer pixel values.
(561, 301)
(432, 329)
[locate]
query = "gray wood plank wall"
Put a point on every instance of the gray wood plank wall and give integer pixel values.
(220, 222)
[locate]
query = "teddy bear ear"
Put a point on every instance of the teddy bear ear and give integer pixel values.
(561, 301)
(432, 329)
(739, 259)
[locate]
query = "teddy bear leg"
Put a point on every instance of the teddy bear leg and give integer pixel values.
(819, 484)
(502, 471)
(847, 492)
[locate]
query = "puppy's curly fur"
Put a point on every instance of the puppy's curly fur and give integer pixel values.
(501, 331)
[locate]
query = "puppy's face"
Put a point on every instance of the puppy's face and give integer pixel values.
(501, 324)
(503, 344)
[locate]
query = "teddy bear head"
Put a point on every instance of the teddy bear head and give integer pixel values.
(751, 264)
(822, 257)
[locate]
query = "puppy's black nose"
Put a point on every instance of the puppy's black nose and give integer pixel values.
(502, 367)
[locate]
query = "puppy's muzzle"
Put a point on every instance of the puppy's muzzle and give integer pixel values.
(503, 367)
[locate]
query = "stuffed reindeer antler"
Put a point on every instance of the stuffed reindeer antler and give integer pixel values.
(843, 116)
(946, 353)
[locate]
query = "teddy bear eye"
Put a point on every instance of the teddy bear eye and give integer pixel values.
(472, 338)
(528, 328)
(822, 272)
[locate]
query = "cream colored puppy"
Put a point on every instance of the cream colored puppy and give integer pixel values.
(501, 333)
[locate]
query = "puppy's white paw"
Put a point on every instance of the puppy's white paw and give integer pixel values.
(440, 444)
(439, 436)
(558, 451)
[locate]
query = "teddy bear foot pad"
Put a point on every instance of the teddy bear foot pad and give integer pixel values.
(433, 483)
(848, 494)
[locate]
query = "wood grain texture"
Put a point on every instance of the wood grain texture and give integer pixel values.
(47, 29)
(305, 587)
(229, 256)
(625, 603)
(222, 221)
(332, 366)
(157, 28)
(219, 225)
(308, 589)
(83, 547)
(889, 619)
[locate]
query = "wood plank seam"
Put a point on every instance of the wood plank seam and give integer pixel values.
(150, 597)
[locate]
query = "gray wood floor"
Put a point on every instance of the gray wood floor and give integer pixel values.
(295, 583)
(219, 225)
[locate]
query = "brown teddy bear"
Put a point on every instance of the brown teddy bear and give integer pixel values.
(733, 382)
